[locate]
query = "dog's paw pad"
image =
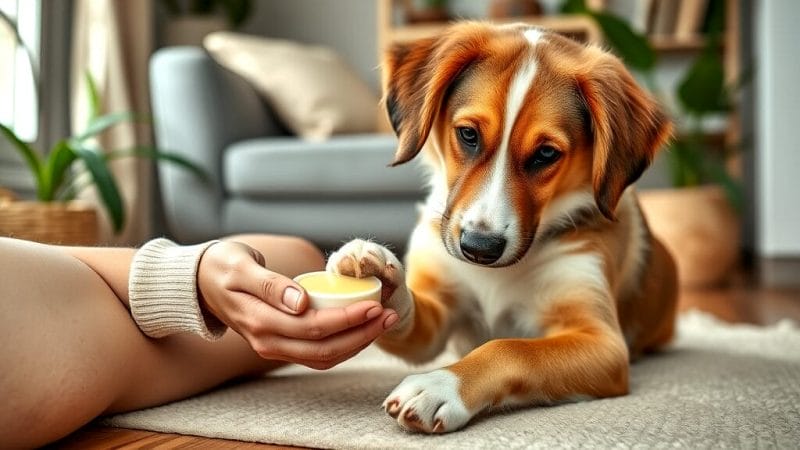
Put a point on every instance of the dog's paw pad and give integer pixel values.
(372, 263)
(359, 258)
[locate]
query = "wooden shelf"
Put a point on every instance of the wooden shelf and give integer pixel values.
(671, 44)
(675, 44)
(578, 26)
(571, 25)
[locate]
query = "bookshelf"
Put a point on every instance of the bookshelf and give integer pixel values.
(680, 32)
(579, 27)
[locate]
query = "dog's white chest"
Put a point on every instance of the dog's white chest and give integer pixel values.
(503, 302)
(511, 299)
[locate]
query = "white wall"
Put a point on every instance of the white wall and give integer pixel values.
(349, 26)
(777, 112)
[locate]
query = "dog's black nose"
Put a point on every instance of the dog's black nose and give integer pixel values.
(482, 248)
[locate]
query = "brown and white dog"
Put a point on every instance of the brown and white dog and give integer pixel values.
(531, 251)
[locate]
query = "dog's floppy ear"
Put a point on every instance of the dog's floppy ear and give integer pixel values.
(628, 127)
(416, 76)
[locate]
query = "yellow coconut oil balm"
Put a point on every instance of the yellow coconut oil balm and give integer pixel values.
(329, 290)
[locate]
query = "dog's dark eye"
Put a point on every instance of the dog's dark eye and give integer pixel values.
(543, 157)
(469, 139)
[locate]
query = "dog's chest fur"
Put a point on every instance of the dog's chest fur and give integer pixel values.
(507, 302)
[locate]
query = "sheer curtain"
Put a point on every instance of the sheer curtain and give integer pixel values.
(112, 40)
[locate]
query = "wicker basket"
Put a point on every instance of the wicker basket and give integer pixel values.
(699, 227)
(72, 223)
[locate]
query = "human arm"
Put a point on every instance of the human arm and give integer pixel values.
(238, 290)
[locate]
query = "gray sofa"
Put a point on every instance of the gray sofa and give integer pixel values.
(261, 178)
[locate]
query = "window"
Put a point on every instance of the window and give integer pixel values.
(19, 102)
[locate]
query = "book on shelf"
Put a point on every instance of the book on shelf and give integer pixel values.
(691, 15)
(678, 20)
(663, 17)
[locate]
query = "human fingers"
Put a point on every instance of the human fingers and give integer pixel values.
(312, 325)
(318, 365)
(277, 290)
(330, 351)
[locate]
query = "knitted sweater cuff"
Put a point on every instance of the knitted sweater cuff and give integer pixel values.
(163, 291)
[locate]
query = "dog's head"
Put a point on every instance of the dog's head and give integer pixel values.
(522, 127)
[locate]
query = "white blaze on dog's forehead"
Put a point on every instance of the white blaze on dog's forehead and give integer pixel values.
(533, 35)
(493, 207)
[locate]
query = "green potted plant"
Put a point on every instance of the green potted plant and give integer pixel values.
(698, 217)
(191, 20)
(72, 164)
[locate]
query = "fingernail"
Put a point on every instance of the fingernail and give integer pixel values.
(374, 312)
(291, 297)
(389, 321)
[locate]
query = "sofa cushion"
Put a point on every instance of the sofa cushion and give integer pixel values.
(310, 88)
(327, 222)
(353, 166)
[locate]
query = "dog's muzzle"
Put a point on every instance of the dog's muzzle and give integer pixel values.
(482, 248)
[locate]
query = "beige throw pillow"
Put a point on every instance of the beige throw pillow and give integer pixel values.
(310, 88)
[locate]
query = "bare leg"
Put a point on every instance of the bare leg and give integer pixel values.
(71, 351)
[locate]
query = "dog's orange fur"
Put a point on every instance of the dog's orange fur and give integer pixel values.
(583, 103)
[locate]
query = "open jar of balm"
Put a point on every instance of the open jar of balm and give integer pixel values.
(329, 290)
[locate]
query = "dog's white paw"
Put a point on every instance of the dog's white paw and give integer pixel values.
(359, 258)
(428, 403)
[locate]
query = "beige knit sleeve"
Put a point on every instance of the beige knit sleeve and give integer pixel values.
(163, 291)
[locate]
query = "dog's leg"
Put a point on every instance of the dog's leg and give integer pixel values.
(425, 314)
(582, 355)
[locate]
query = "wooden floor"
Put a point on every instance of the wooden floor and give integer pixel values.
(743, 301)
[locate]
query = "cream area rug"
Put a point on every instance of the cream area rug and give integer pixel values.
(717, 386)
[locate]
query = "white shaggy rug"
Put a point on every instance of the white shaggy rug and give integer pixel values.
(718, 386)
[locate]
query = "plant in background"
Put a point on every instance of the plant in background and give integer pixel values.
(236, 11)
(77, 162)
(693, 160)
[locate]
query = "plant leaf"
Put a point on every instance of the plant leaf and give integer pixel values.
(106, 186)
(632, 47)
(102, 123)
(716, 17)
(94, 97)
(686, 165)
(154, 153)
(574, 7)
(27, 152)
(702, 90)
(56, 168)
(718, 173)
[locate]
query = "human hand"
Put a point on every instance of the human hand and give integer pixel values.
(271, 311)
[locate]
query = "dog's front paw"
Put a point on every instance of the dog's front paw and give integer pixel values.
(359, 258)
(428, 403)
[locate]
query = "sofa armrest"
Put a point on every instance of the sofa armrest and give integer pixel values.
(199, 109)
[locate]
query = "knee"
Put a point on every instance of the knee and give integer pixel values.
(309, 252)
